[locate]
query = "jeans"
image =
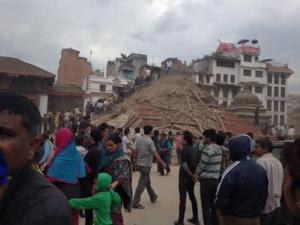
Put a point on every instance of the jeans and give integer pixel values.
(208, 194)
(187, 186)
(144, 182)
(165, 156)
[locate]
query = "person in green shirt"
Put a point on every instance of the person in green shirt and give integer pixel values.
(102, 200)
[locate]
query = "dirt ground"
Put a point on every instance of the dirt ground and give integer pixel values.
(165, 210)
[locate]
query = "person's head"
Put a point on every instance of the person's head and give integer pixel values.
(96, 134)
(250, 135)
(228, 134)
(103, 182)
(220, 138)
(163, 135)
(126, 131)
(113, 142)
(178, 133)
(20, 126)
(239, 147)
(119, 131)
(188, 138)
(291, 156)
(137, 130)
(262, 146)
(156, 133)
(148, 129)
(104, 130)
(170, 133)
(209, 136)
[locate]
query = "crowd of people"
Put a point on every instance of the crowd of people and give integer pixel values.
(85, 170)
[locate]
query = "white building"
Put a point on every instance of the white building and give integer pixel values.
(231, 67)
(100, 87)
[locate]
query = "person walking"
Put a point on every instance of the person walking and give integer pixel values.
(145, 150)
(189, 159)
(243, 190)
(165, 154)
(209, 171)
(116, 163)
(66, 167)
(274, 169)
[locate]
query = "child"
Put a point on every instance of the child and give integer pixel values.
(102, 200)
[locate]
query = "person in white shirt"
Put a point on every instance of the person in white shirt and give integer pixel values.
(274, 170)
(125, 141)
(291, 133)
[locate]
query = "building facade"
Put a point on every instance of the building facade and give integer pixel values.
(26, 79)
(231, 67)
(126, 67)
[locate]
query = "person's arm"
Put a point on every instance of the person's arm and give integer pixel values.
(123, 175)
(158, 159)
(47, 163)
(115, 198)
(292, 200)
(85, 203)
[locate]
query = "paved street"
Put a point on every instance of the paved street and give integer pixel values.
(165, 210)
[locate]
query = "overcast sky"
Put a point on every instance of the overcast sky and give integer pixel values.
(36, 31)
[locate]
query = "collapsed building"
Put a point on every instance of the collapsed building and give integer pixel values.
(175, 103)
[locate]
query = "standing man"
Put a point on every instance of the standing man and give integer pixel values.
(243, 190)
(165, 154)
(209, 170)
(178, 146)
(125, 141)
(274, 170)
(28, 197)
(145, 151)
(190, 157)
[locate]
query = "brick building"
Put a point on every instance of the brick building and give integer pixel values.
(73, 69)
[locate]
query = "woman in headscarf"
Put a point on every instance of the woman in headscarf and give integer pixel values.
(116, 163)
(67, 167)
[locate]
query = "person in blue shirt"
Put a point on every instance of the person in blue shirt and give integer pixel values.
(243, 190)
(165, 153)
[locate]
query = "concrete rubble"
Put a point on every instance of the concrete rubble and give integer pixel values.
(170, 103)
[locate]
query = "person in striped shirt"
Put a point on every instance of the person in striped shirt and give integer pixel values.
(209, 170)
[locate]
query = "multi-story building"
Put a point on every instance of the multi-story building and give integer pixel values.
(127, 67)
(234, 66)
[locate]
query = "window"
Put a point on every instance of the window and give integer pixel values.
(207, 79)
(269, 78)
(269, 105)
(276, 78)
(282, 120)
(258, 89)
(269, 91)
(275, 120)
(276, 106)
(259, 73)
(282, 94)
(247, 73)
(276, 91)
(102, 87)
(232, 78)
(218, 78)
(225, 78)
(247, 58)
(283, 80)
(228, 64)
(282, 106)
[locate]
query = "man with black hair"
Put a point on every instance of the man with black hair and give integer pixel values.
(145, 150)
(29, 198)
(209, 170)
(189, 160)
(274, 170)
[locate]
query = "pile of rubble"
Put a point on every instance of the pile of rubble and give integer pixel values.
(170, 103)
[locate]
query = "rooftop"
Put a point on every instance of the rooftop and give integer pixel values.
(16, 67)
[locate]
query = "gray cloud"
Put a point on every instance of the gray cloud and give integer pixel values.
(36, 31)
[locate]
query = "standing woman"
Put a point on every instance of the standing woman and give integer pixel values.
(116, 163)
(67, 167)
